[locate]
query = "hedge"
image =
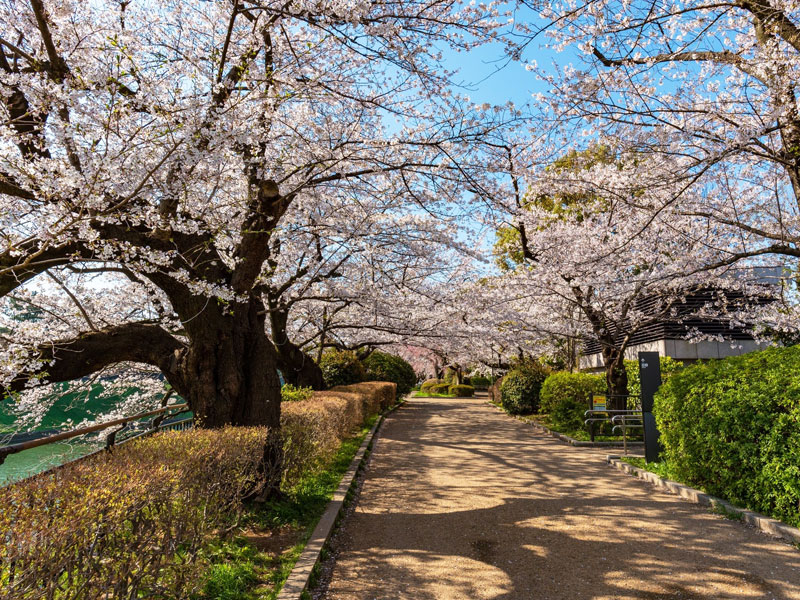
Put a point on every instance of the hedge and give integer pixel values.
(732, 427)
(461, 390)
(381, 366)
(669, 366)
(429, 383)
(519, 392)
(439, 388)
(341, 367)
(132, 523)
(564, 397)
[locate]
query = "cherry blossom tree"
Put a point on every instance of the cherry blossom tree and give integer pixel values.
(165, 145)
(601, 258)
(713, 85)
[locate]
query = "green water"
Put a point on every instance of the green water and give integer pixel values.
(35, 460)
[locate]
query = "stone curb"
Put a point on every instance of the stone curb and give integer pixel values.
(570, 440)
(303, 570)
(760, 522)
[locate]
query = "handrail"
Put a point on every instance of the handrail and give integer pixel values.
(5, 451)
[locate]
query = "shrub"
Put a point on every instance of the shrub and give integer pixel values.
(341, 367)
(732, 427)
(519, 392)
(381, 366)
(290, 393)
(132, 523)
(461, 390)
(127, 524)
(479, 382)
(564, 397)
(439, 388)
(429, 383)
(313, 429)
(669, 366)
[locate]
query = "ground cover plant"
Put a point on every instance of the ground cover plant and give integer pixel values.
(731, 428)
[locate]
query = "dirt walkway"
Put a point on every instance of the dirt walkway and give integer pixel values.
(462, 502)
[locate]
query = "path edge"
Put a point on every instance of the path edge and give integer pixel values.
(761, 522)
(304, 569)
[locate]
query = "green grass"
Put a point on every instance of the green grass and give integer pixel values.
(240, 571)
(659, 468)
(429, 395)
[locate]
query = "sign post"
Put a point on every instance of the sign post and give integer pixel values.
(650, 378)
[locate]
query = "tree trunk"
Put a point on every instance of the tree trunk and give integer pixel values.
(228, 375)
(616, 379)
(298, 368)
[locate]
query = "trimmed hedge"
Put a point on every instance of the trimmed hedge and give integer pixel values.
(439, 388)
(480, 383)
(669, 366)
(732, 427)
(313, 429)
(519, 392)
(341, 367)
(461, 390)
(564, 397)
(381, 366)
(127, 524)
(133, 523)
(429, 383)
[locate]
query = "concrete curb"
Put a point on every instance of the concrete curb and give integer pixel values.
(760, 522)
(569, 440)
(303, 570)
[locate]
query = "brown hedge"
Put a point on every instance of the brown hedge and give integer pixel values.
(129, 524)
(313, 429)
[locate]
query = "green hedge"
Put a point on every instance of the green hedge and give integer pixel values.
(669, 366)
(439, 388)
(461, 390)
(341, 367)
(732, 427)
(519, 392)
(429, 383)
(564, 397)
(480, 382)
(381, 366)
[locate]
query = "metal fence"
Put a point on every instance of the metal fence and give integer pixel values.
(166, 418)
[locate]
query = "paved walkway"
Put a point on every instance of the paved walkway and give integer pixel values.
(462, 502)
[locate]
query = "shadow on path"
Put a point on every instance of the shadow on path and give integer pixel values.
(461, 501)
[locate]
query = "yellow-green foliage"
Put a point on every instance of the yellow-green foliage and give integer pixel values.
(461, 390)
(312, 429)
(127, 524)
(291, 393)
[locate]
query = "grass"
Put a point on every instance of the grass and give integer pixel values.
(239, 570)
(429, 395)
(659, 468)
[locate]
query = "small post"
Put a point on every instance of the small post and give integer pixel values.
(650, 378)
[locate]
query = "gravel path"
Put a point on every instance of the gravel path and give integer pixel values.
(462, 502)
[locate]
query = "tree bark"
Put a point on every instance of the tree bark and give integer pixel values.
(228, 375)
(298, 368)
(616, 379)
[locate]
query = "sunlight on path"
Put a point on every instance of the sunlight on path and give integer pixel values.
(462, 502)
